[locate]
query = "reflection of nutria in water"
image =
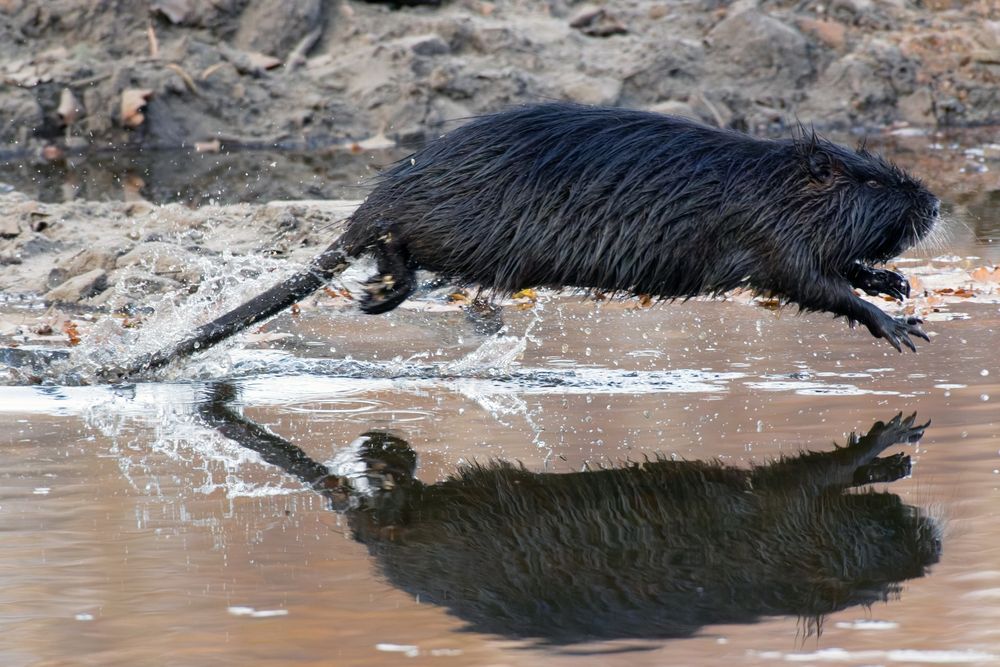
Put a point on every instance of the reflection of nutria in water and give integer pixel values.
(627, 202)
(655, 549)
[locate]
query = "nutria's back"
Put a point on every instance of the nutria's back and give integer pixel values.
(613, 199)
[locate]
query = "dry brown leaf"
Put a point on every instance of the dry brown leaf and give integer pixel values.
(959, 292)
(185, 77)
(770, 304)
(458, 297)
(69, 328)
(133, 102)
(984, 275)
(342, 293)
(211, 69)
(645, 301)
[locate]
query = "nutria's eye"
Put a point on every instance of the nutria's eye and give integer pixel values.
(873, 183)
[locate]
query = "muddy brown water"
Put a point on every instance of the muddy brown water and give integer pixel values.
(138, 531)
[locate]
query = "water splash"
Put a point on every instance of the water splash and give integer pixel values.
(227, 282)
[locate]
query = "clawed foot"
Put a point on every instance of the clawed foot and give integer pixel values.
(899, 430)
(880, 281)
(384, 292)
(883, 470)
(898, 331)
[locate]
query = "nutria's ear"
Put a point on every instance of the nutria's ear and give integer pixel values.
(822, 166)
(819, 163)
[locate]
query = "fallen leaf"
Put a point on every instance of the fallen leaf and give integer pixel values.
(960, 292)
(770, 304)
(984, 275)
(458, 297)
(342, 293)
(133, 102)
(645, 301)
(526, 293)
(69, 328)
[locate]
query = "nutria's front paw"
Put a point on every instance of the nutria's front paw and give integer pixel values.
(898, 331)
(881, 281)
(883, 470)
(899, 430)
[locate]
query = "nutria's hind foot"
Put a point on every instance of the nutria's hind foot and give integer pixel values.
(385, 291)
(898, 331)
(486, 317)
(880, 281)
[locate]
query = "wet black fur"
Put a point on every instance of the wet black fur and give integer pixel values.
(630, 202)
(640, 203)
(652, 550)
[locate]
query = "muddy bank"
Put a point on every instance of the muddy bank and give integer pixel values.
(168, 73)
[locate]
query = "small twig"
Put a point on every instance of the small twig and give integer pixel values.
(211, 69)
(154, 43)
(188, 81)
(719, 121)
(90, 80)
(298, 55)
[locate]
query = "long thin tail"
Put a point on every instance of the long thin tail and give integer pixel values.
(330, 263)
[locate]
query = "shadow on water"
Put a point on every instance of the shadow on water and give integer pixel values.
(656, 549)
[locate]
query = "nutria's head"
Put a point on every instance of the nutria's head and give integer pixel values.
(859, 206)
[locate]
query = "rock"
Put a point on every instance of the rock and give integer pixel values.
(917, 108)
(429, 45)
(598, 23)
(88, 260)
(275, 28)
(133, 286)
(830, 33)
(676, 108)
(163, 259)
(9, 228)
(762, 48)
(20, 112)
(593, 90)
(79, 287)
(670, 72)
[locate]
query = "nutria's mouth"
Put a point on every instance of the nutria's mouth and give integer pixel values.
(914, 226)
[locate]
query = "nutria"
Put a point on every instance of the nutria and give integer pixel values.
(656, 549)
(628, 202)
